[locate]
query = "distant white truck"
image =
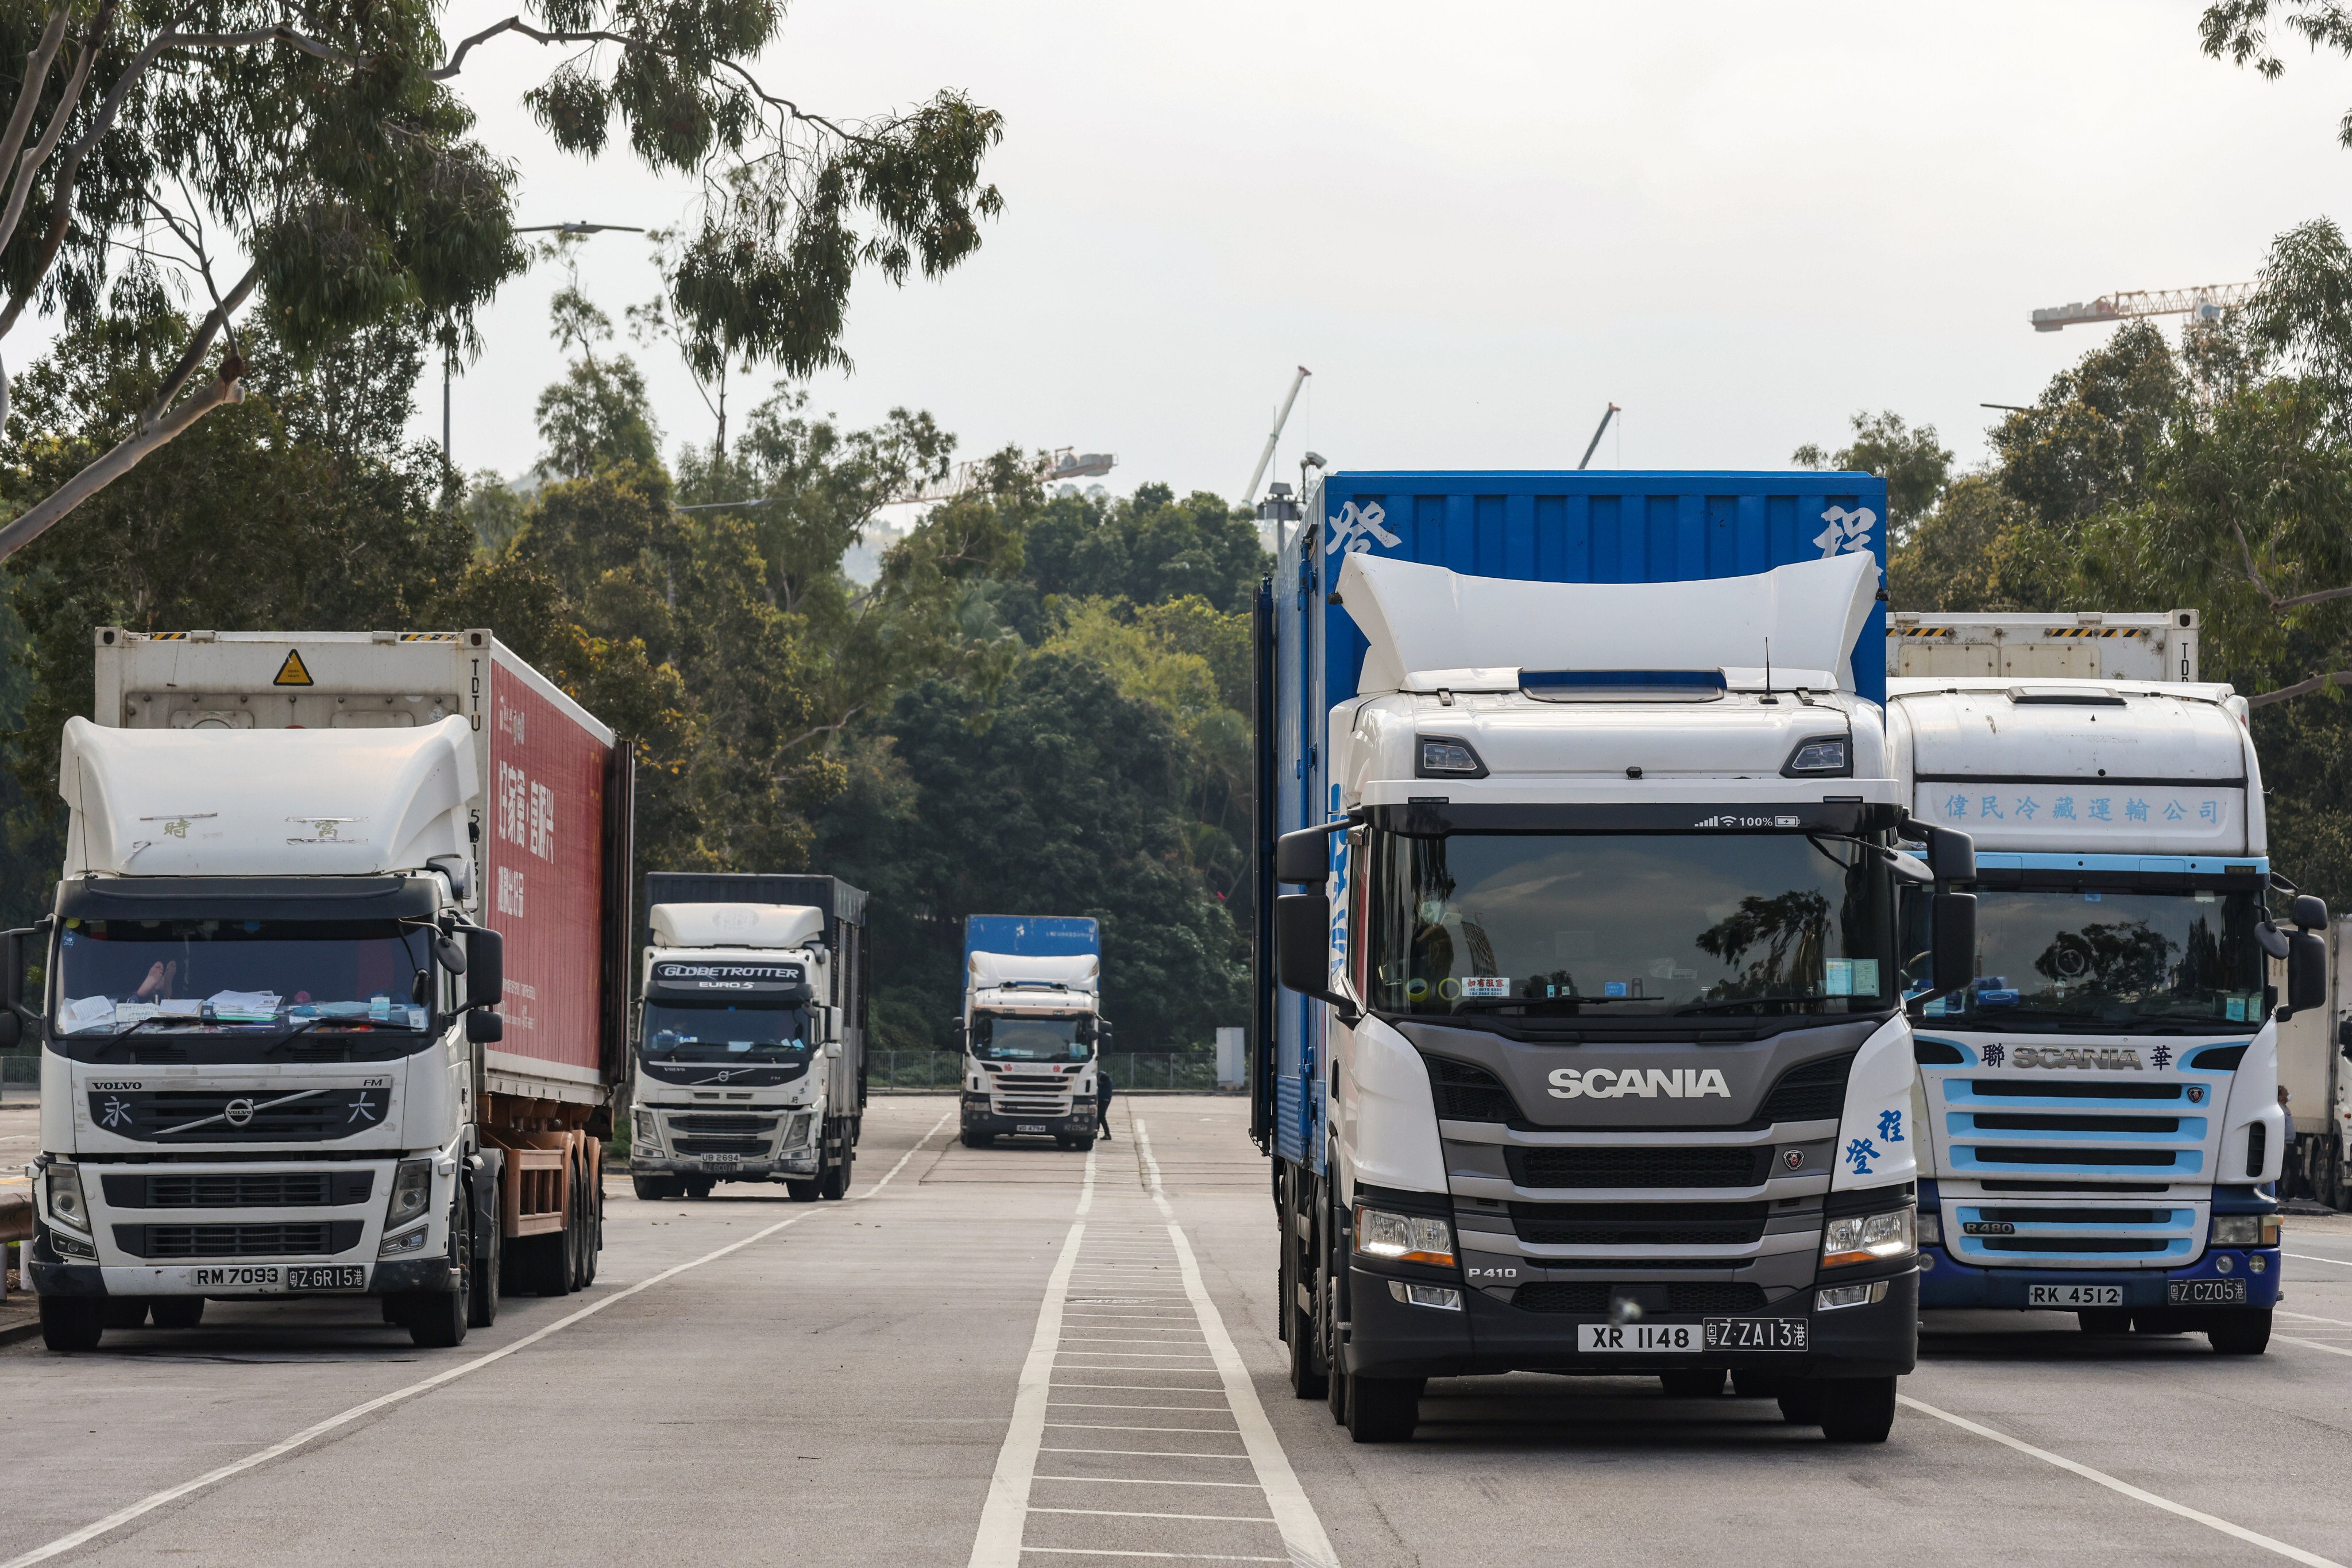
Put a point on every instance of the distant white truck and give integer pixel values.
(1032, 1030)
(749, 1058)
(2099, 1105)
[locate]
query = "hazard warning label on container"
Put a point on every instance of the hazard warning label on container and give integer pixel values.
(293, 672)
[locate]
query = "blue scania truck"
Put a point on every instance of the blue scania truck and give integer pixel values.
(2098, 1108)
(1578, 1038)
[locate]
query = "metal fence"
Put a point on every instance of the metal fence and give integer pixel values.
(1144, 1072)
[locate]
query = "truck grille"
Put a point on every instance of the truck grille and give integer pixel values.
(1696, 1165)
(721, 1122)
(1590, 1298)
(1810, 1091)
(2009, 1128)
(2072, 1234)
(1640, 1225)
(237, 1116)
(719, 1145)
(318, 1238)
(1469, 1093)
(240, 1190)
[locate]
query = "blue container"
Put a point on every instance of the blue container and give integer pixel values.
(1031, 936)
(1589, 526)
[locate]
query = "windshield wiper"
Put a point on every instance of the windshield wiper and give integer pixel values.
(1725, 1006)
(1482, 1004)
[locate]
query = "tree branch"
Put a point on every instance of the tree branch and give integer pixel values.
(28, 97)
(126, 455)
(201, 344)
(29, 172)
(2302, 688)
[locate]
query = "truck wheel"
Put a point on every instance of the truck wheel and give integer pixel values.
(1697, 1383)
(2242, 1333)
(72, 1322)
(976, 1139)
(437, 1319)
(1308, 1372)
(177, 1311)
(1801, 1404)
(2104, 1320)
(650, 1189)
(1085, 1146)
(595, 1236)
(802, 1192)
(489, 1277)
(834, 1183)
(125, 1312)
(583, 1228)
(1383, 1409)
(1857, 1409)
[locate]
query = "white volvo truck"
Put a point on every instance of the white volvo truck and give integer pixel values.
(1589, 1056)
(301, 870)
(1031, 1032)
(2098, 1106)
(749, 1035)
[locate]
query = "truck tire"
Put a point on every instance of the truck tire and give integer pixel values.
(177, 1311)
(802, 1192)
(834, 1183)
(1800, 1402)
(1698, 1382)
(125, 1312)
(652, 1189)
(1085, 1146)
(595, 1247)
(2246, 1333)
(1856, 1409)
(489, 1277)
(976, 1139)
(437, 1319)
(72, 1322)
(1310, 1373)
(582, 1226)
(1383, 1409)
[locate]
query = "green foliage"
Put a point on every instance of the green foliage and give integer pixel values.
(1913, 464)
(1060, 795)
(2236, 28)
(1147, 549)
(2088, 442)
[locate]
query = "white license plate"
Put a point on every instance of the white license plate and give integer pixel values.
(239, 1276)
(1028, 1127)
(1640, 1339)
(2074, 1295)
(2206, 1293)
(1755, 1333)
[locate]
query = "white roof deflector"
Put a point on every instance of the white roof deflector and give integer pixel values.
(1432, 628)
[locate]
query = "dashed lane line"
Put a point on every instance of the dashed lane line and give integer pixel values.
(308, 1435)
(2138, 1494)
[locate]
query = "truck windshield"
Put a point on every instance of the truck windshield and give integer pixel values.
(1629, 924)
(181, 977)
(2052, 961)
(724, 1032)
(998, 1038)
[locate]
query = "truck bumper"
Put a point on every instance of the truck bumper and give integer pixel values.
(801, 1168)
(52, 1276)
(1389, 1338)
(1946, 1283)
(980, 1117)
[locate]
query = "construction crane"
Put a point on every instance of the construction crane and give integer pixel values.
(1062, 463)
(2204, 301)
(1274, 436)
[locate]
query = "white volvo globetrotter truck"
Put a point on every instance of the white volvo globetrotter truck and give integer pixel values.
(751, 1034)
(2098, 1107)
(1589, 1055)
(301, 869)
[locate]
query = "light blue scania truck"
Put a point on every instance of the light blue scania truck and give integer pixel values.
(2098, 1106)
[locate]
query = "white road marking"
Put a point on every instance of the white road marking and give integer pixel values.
(1106, 1426)
(1156, 1556)
(1147, 1482)
(2315, 1257)
(2138, 1494)
(2311, 1344)
(2308, 1318)
(149, 1504)
(1132, 1513)
(1149, 1453)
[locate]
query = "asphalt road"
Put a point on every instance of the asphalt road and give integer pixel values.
(1001, 1357)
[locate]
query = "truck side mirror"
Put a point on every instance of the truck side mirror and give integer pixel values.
(484, 1027)
(1302, 939)
(1953, 961)
(1951, 854)
(2306, 970)
(1303, 857)
(2310, 913)
(486, 968)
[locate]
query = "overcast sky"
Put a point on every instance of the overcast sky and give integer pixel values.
(1478, 223)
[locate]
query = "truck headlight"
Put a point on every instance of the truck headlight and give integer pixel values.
(648, 1128)
(1869, 1237)
(2245, 1230)
(1404, 1238)
(66, 1205)
(1823, 756)
(1837, 1296)
(412, 1192)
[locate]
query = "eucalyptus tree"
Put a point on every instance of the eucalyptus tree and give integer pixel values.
(313, 160)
